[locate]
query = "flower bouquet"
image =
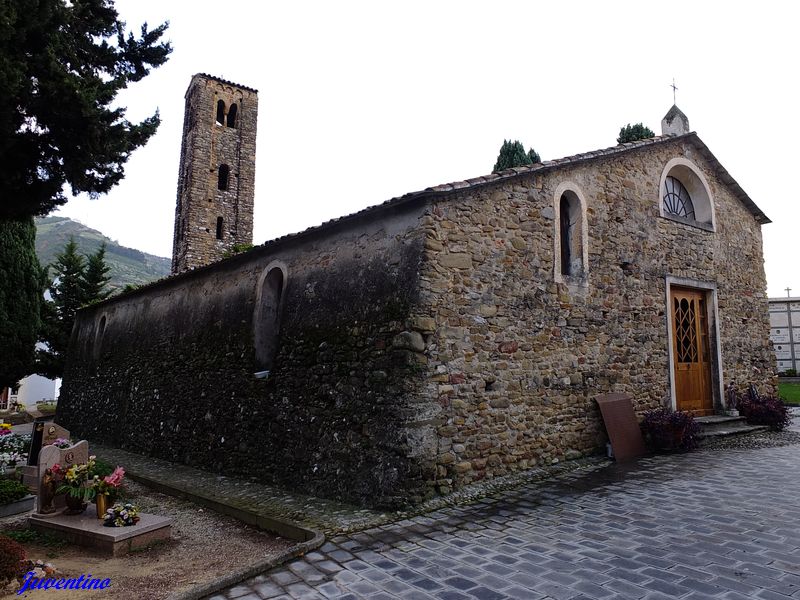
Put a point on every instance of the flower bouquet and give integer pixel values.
(106, 490)
(61, 443)
(110, 484)
(74, 483)
(121, 515)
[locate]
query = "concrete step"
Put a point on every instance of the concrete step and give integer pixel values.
(717, 426)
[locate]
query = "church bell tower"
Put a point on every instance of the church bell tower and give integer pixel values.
(216, 180)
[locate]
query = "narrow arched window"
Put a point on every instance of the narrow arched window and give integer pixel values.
(566, 228)
(267, 318)
(570, 235)
(222, 179)
(219, 228)
(232, 116)
(220, 112)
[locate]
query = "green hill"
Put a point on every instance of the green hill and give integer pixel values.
(128, 266)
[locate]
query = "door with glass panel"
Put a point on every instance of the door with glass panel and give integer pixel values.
(691, 351)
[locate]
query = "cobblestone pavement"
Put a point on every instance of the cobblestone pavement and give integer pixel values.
(327, 516)
(709, 524)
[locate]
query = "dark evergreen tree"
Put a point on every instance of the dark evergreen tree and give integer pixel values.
(512, 154)
(96, 278)
(77, 281)
(21, 287)
(632, 133)
(61, 67)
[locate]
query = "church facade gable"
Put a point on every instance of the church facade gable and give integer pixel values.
(520, 352)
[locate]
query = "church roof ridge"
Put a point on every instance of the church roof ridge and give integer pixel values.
(547, 165)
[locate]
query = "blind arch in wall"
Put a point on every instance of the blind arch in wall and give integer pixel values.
(266, 316)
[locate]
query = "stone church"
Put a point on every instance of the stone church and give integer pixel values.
(453, 334)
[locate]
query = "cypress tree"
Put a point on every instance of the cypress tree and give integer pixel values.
(95, 277)
(512, 154)
(632, 133)
(21, 289)
(67, 292)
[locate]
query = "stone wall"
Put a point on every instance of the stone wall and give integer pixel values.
(168, 370)
(516, 360)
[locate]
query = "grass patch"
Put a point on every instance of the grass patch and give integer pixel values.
(31, 536)
(789, 392)
(46, 409)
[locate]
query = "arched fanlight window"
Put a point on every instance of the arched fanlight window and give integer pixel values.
(222, 179)
(232, 115)
(220, 112)
(677, 200)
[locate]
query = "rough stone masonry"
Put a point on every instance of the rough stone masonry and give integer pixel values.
(437, 339)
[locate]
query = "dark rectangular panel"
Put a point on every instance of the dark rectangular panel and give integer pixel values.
(622, 426)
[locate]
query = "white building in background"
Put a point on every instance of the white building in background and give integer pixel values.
(32, 389)
(36, 388)
(784, 322)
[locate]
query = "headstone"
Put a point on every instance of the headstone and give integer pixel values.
(65, 458)
(52, 432)
(44, 434)
(36, 442)
(622, 426)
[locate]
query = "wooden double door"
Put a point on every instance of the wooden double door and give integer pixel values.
(691, 350)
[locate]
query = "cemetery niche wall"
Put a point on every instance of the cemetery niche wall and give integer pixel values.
(784, 320)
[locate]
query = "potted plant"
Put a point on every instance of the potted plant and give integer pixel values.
(13, 449)
(14, 497)
(670, 430)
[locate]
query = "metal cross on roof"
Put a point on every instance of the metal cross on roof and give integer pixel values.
(674, 89)
(788, 292)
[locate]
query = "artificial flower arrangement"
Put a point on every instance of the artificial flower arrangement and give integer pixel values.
(110, 484)
(5, 428)
(121, 515)
(61, 443)
(73, 480)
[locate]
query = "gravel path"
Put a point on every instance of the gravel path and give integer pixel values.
(204, 546)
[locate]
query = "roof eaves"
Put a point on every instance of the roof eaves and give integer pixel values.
(228, 82)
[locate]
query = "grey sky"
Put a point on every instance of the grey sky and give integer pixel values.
(363, 101)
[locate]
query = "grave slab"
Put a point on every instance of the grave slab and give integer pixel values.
(87, 530)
